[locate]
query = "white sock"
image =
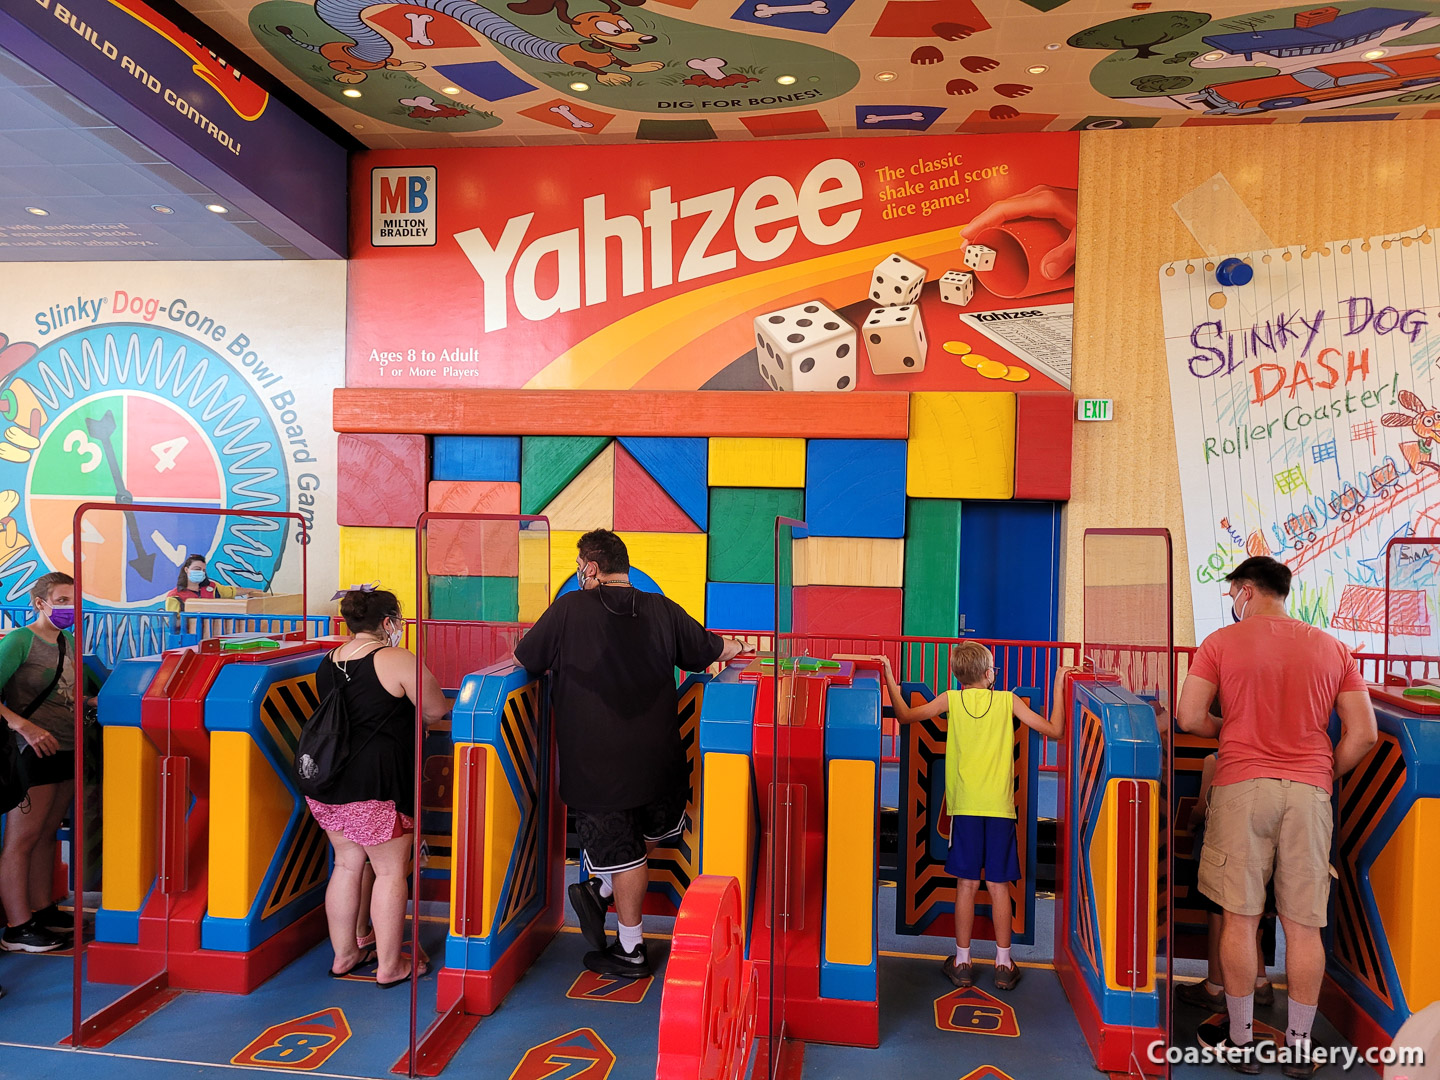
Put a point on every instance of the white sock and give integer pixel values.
(1002, 957)
(607, 887)
(630, 936)
(1297, 1024)
(962, 954)
(1242, 1018)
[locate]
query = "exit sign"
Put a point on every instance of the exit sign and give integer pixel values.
(1095, 409)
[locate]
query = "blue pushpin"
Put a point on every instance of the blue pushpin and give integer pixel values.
(1234, 272)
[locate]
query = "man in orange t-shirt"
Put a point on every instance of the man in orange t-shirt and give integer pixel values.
(1278, 680)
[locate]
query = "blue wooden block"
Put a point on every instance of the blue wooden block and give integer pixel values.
(855, 487)
(731, 605)
(477, 457)
(681, 467)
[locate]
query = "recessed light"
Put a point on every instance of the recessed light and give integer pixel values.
(1038, 69)
(452, 90)
(352, 92)
(159, 209)
(579, 87)
(786, 80)
(884, 76)
(216, 208)
(37, 211)
(1373, 54)
(1261, 63)
(358, 127)
(1211, 57)
(1054, 46)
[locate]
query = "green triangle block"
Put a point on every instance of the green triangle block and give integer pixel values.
(468, 599)
(549, 462)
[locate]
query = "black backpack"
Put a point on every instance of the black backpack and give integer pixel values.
(324, 747)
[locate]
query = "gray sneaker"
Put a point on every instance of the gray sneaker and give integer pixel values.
(1007, 977)
(962, 975)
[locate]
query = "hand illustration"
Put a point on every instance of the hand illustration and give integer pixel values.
(1041, 201)
(925, 55)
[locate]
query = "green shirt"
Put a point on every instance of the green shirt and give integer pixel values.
(27, 664)
(980, 753)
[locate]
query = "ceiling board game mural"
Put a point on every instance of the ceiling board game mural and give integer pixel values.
(490, 72)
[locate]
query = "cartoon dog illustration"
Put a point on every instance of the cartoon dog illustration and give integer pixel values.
(1423, 422)
(369, 50)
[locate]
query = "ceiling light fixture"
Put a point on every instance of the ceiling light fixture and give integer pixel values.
(786, 80)
(451, 90)
(1054, 46)
(885, 76)
(1211, 57)
(1038, 69)
(579, 87)
(161, 209)
(352, 92)
(37, 211)
(1373, 54)
(216, 208)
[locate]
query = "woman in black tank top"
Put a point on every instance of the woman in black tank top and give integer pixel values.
(365, 814)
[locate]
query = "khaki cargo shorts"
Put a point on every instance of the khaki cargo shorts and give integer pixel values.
(1264, 826)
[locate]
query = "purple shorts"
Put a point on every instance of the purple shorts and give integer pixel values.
(983, 847)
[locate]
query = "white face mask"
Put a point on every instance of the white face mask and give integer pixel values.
(396, 636)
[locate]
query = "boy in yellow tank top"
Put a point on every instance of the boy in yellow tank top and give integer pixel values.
(980, 796)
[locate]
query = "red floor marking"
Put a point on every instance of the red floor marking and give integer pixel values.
(974, 1011)
(592, 987)
(305, 1042)
(579, 1053)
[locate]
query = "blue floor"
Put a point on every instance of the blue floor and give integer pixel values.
(197, 1035)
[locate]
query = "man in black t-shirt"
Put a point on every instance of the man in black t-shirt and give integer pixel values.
(612, 651)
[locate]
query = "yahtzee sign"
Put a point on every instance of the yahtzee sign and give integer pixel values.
(663, 268)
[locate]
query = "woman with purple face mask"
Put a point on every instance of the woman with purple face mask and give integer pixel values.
(29, 656)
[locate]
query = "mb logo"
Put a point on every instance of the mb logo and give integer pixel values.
(403, 207)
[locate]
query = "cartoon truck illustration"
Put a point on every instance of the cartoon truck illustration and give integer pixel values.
(1323, 83)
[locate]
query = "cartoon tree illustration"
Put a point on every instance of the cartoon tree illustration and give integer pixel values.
(1140, 32)
(1160, 84)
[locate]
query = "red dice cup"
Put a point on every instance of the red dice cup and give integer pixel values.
(1019, 247)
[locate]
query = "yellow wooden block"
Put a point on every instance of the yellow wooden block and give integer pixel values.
(588, 501)
(128, 803)
(850, 863)
(249, 810)
(535, 572)
(727, 839)
(675, 561)
(386, 556)
(962, 446)
(1406, 879)
(757, 463)
(849, 560)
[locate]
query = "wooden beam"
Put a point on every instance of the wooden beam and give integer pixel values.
(674, 413)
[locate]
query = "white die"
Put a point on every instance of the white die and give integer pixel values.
(895, 340)
(897, 281)
(979, 257)
(957, 287)
(805, 347)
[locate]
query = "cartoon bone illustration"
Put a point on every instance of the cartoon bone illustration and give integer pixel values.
(425, 103)
(418, 21)
(769, 11)
(575, 121)
(1423, 422)
(874, 118)
(369, 50)
(714, 67)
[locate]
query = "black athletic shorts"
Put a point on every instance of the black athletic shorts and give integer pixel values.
(614, 840)
(39, 771)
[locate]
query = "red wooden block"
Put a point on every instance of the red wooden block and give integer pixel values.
(641, 504)
(381, 480)
(1044, 428)
(474, 548)
(805, 122)
(847, 611)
